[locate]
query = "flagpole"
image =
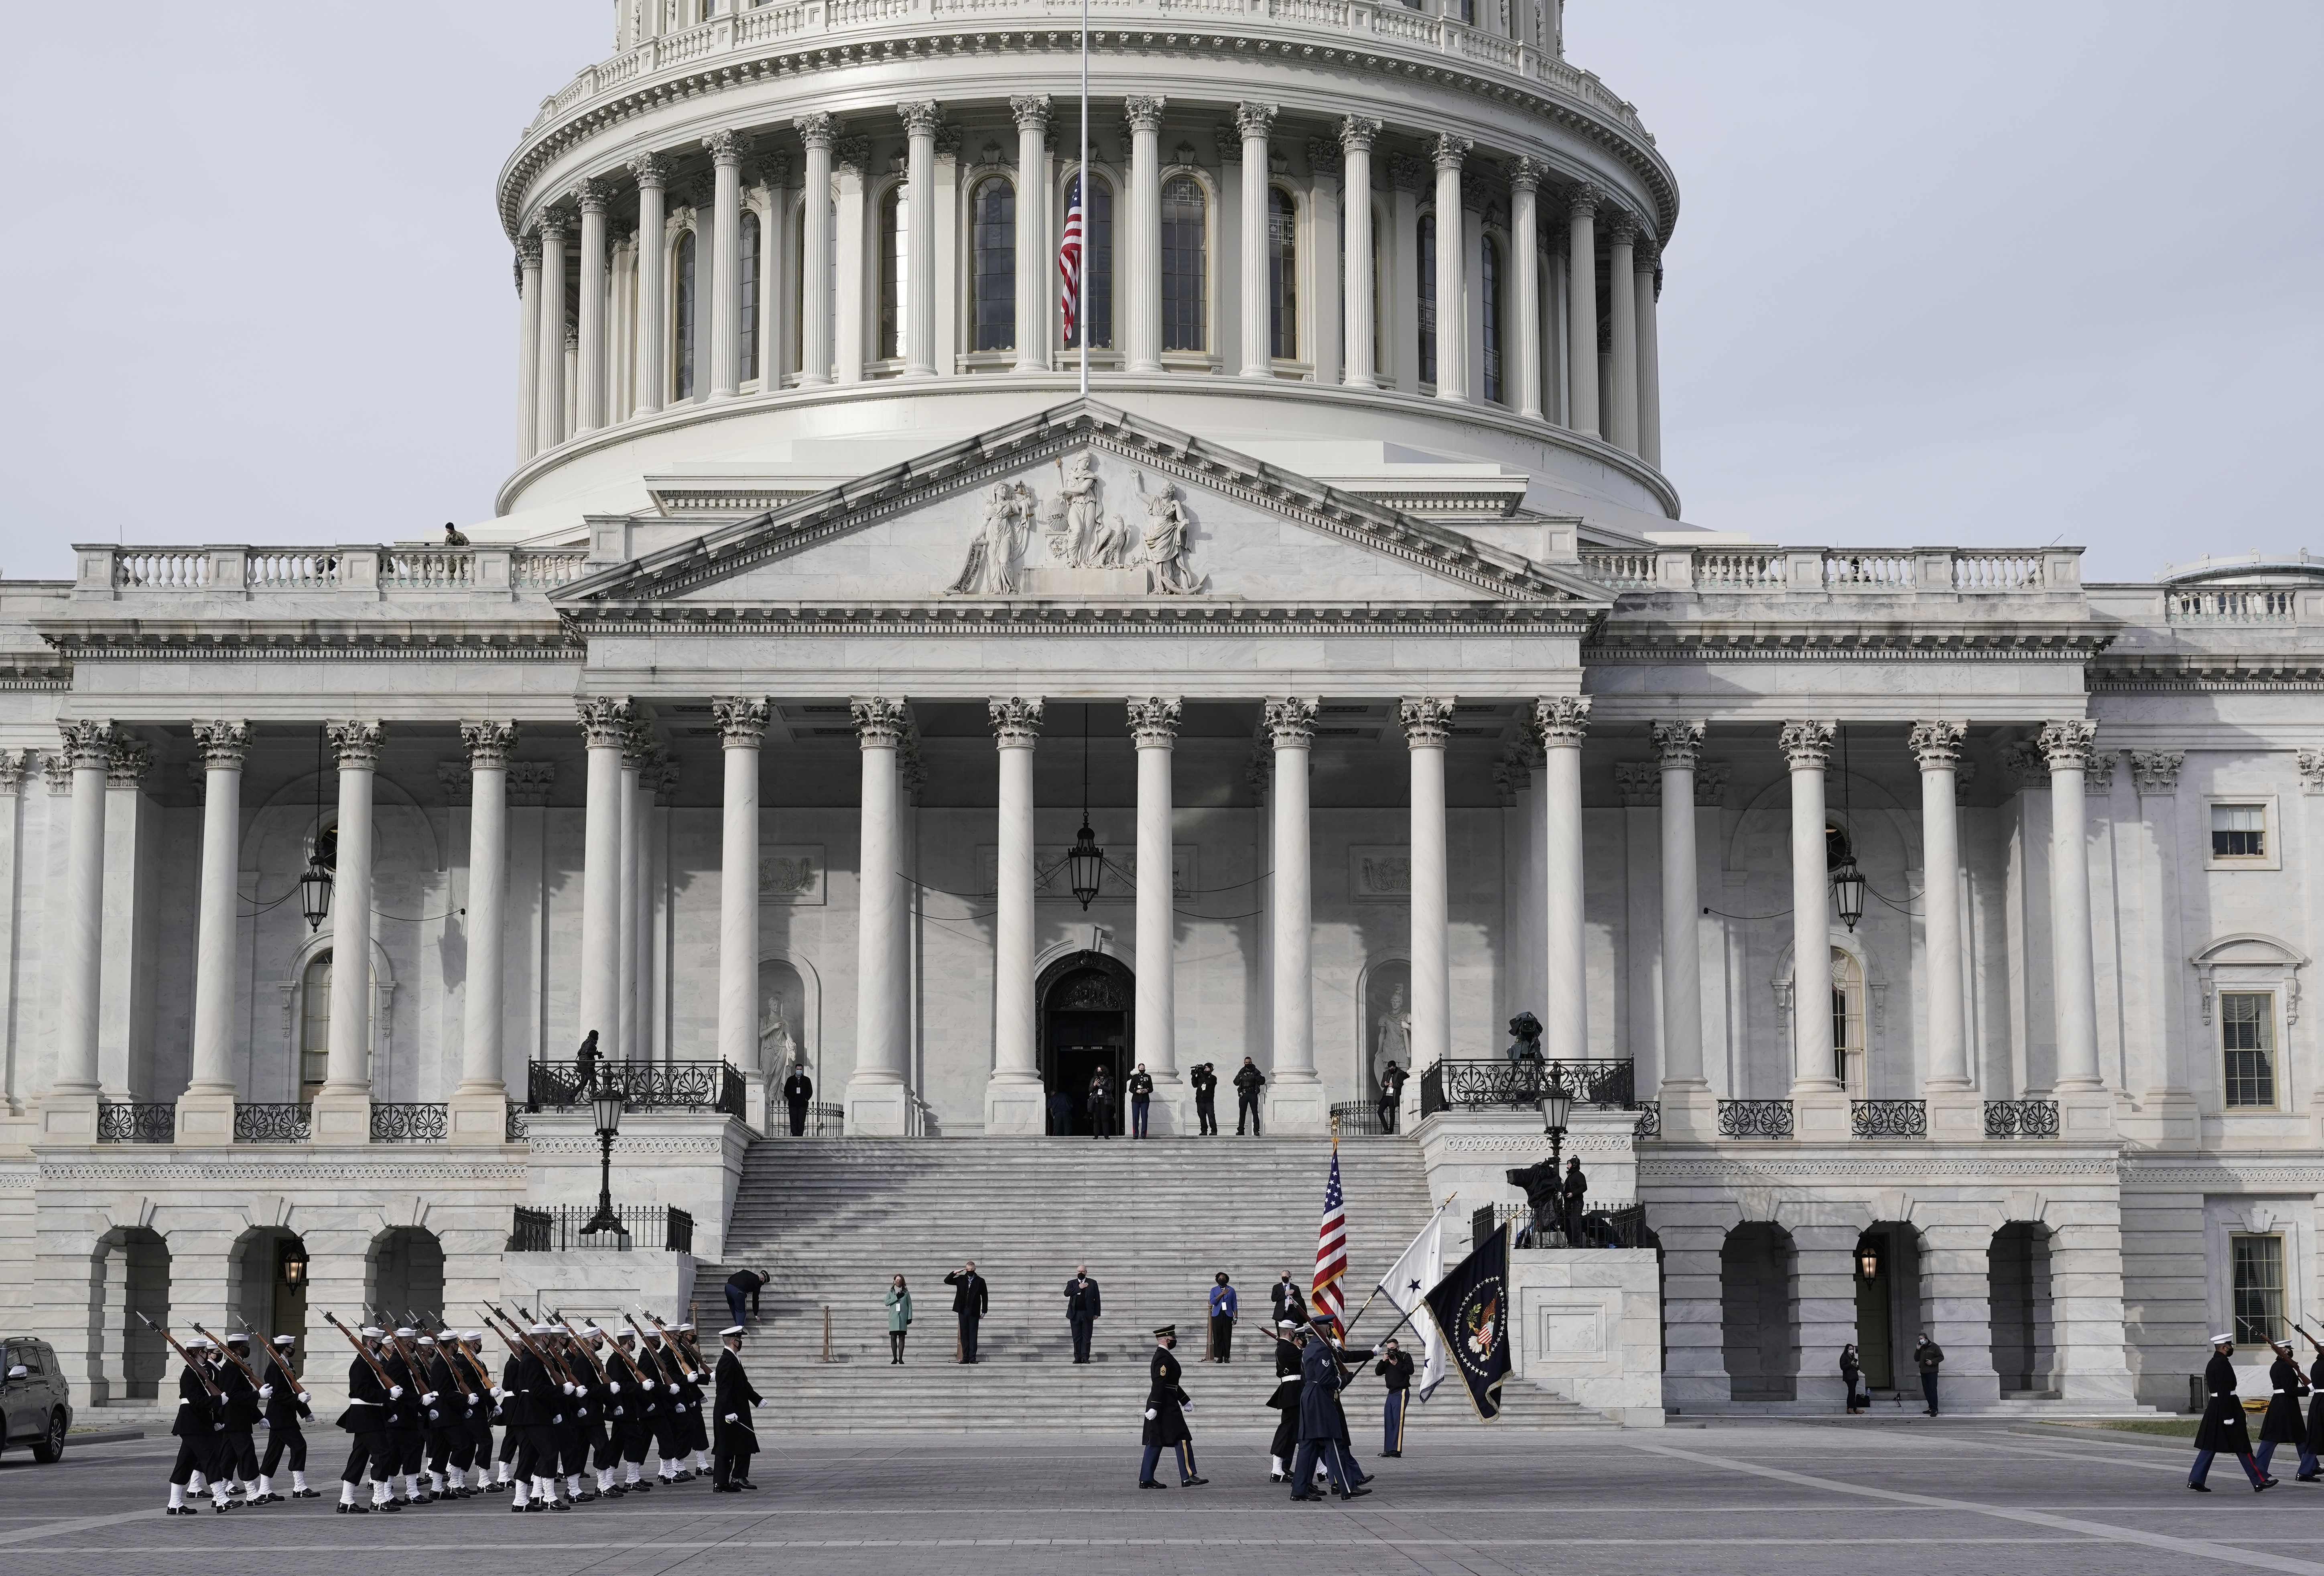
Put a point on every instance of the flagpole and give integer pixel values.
(1081, 182)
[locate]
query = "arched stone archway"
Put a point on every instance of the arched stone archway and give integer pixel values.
(407, 1272)
(129, 1361)
(1086, 1019)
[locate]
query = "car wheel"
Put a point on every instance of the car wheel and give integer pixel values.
(51, 1447)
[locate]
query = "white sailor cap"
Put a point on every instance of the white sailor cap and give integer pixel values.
(472, 1335)
(237, 1338)
(428, 1340)
(405, 1332)
(373, 1330)
(562, 1328)
(286, 1340)
(2221, 1339)
(197, 1342)
(687, 1326)
(731, 1330)
(540, 1329)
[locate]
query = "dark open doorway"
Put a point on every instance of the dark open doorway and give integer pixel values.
(1084, 1023)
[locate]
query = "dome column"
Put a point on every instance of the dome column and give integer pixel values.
(1013, 1096)
(1525, 269)
(1154, 727)
(1295, 1099)
(1645, 265)
(725, 151)
(527, 346)
(1253, 121)
(1622, 309)
(1452, 272)
(591, 197)
(1145, 234)
(1356, 137)
(478, 1113)
(743, 729)
(1034, 260)
(878, 1101)
(1427, 726)
(814, 236)
(1566, 1019)
(921, 122)
(653, 281)
(548, 387)
(604, 729)
(1582, 309)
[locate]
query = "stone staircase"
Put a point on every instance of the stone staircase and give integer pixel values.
(834, 1218)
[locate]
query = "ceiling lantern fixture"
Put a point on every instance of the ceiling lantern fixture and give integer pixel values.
(1085, 861)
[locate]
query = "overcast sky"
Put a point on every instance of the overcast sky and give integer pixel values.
(1990, 272)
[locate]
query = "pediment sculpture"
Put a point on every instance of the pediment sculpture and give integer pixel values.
(1085, 550)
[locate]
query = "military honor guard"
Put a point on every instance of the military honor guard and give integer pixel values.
(733, 1401)
(1323, 1422)
(289, 1409)
(200, 1420)
(1166, 1416)
(2284, 1423)
(2222, 1428)
(375, 1402)
(1394, 1366)
(242, 1405)
(1290, 1341)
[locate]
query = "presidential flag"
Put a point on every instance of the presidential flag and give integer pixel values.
(1327, 1296)
(1406, 1284)
(1069, 261)
(1470, 1309)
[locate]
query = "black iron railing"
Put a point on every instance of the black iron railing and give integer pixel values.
(1889, 1118)
(514, 1131)
(1358, 1119)
(819, 1120)
(2021, 1119)
(409, 1123)
(557, 1228)
(1612, 1225)
(644, 1085)
(1625, 1227)
(273, 1123)
(1755, 1119)
(1649, 1124)
(1610, 1084)
(139, 1122)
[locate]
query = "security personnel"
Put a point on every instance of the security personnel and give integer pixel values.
(1166, 1416)
(288, 1410)
(1205, 1080)
(1083, 1306)
(371, 1404)
(243, 1406)
(1248, 1082)
(2284, 1425)
(733, 1401)
(1396, 1367)
(2222, 1428)
(1141, 1099)
(200, 1420)
(797, 1090)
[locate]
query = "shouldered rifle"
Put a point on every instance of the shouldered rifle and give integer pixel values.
(163, 1331)
(273, 1356)
(459, 1377)
(545, 1353)
(370, 1359)
(515, 1340)
(613, 1343)
(588, 1357)
(230, 1357)
(670, 1339)
(690, 1349)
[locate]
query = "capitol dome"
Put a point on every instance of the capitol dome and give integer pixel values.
(676, 357)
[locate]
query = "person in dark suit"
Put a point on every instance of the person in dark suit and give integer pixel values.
(1083, 1308)
(1141, 1099)
(1394, 1366)
(970, 1298)
(1574, 1194)
(1391, 1095)
(1166, 1416)
(1205, 1080)
(1100, 1103)
(2222, 1428)
(733, 1400)
(585, 1068)
(1061, 1113)
(2284, 1423)
(1248, 1082)
(1287, 1301)
(797, 1090)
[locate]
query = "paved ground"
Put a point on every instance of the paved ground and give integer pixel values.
(1795, 1498)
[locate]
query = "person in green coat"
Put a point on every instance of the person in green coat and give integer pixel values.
(899, 1319)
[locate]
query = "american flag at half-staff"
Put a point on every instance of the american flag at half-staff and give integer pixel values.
(1329, 1298)
(1069, 262)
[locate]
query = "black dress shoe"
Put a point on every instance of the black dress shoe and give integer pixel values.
(389, 1504)
(1304, 1498)
(2200, 1488)
(1354, 1493)
(1390, 1455)
(1150, 1483)
(754, 1488)
(1191, 1482)
(2308, 1477)
(306, 1493)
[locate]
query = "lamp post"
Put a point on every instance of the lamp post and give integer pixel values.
(607, 1105)
(1557, 1107)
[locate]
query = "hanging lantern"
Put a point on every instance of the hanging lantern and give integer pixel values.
(315, 892)
(1867, 1260)
(1085, 863)
(1848, 888)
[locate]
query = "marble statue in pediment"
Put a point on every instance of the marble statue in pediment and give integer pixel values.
(995, 551)
(1074, 527)
(1166, 540)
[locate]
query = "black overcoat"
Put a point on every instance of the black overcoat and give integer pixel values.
(2222, 1428)
(1165, 1400)
(732, 1395)
(2284, 1423)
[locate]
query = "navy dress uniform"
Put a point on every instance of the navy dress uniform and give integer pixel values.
(2315, 1441)
(288, 1410)
(1285, 1400)
(371, 1406)
(1394, 1366)
(732, 1402)
(237, 1455)
(1166, 1416)
(2284, 1425)
(200, 1420)
(2222, 1428)
(1323, 1424)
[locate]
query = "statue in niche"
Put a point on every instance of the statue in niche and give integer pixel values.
(1074, 528)
(1166, 540)
(1393, 1041)
(992, 554)
(777, 1048)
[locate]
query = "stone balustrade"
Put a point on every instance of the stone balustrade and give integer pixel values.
(108, 571)
(2037, 573)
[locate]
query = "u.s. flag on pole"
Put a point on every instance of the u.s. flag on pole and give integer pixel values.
(1329, 1298)
(1069, 262)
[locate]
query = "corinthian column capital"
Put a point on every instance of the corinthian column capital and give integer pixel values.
(1254, 119)
(723, 147)
(1290, 722)
(1561, 719)
(1154, 720)
(650, 171)
(488, 744)
(816, 130)
(604, 720)
(356, 742)
(1427, 720)
(1016, 719)
(741, 719)
(1807, 746)
(1357, 133)
(224, 744)
(2066, 745)
(1680, 742)
(592, 195)
(1144, 114)
(1449, 151)
(1031, 111)
(882, 722)
(922, 116)
(1937, 745)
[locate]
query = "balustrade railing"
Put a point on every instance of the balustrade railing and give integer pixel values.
(427, 569)
(1620, 571)
(514, 1130)
(557, 1228)
(161, 569)
(2021, 1119)
(1755, 1119)
(1356, 1118)
(819, 1120)
(294, 569)
(546, 569)
(271, 1123)
(2249, 604)
(1888, 1118)
(409, 1123)
(443, 570)
(645, 1085)
(1608, 1084)
(1997, 571)
(1873, 570)
(136, 1122)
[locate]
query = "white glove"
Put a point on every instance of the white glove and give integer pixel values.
(696, 1378)
(614, 1386)
(217, 1428)
(432, 1416)
(560, 1418)
(428, 1399)
(730, 1418)
(1186, 1405)
(395, 1392)
(757, 1403)
(499, 1393)
(568, 1389)
(266, 1392)
(618, 1411)
(580, 1412)
(1151, 1414)
(673, 1389)
(304, 1397)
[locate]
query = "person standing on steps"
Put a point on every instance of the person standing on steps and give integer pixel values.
(2284, 1425)
(1166, 1416)
(1061, 1113)
(585, 1068)
(733, 1402)
(1141, 1098)
(1287, 1301)
(1391, 1095)
(2222, 1428)
(1101, 1105)
(899, 1320)
(1928, 1357)
(1248, 1082)
(1223, 1306)
(970, 1298)
(1205, 1080)
(1396, 1367)
(1083, 1308)
(797, 1090)
(742, 1286)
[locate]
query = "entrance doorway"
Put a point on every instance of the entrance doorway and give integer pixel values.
(1876, 1342)
(1084, 1024)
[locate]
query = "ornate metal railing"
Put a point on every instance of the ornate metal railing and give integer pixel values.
(409, 1123)
(2021, 1119)
(137, 1122)
(1609, 1084)
(557, 1228)
(1755, 1119)
(1358, 1119)
(644, 1085)
(516, 1132)
(1649, 1124)
(822, 1120)
(1888, 1118)
(272, 1124)
(1615, 1223)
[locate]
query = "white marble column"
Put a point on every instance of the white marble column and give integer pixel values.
(1678, 745)
(817, 132)
(1565, 1021)
(2066, 745)
(1037, 250)
(1807, 747)
(549, 383)
(1524, 270)
(622, 1044)
(1427, 726)
(342, 1107)
(1362, 300)
(921, 121)
(604, 729)
(206, 1112)
(1322, 315)
(653, 281)
(1582, 309)
(1154, 728)
(591, 198)
(1013, 1100)
(1296, 1102)
(528, 345)
(71, 1100)
(1645, 267)
(725, 264)
(1252, 122)
(1452, 271)
(850, 297)
(1937, 747)
(876, 1095)
(1143, 317)
(743, 731)
(478, 1112)
(1622, 311)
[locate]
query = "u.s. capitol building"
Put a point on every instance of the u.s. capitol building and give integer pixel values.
(1926, 926)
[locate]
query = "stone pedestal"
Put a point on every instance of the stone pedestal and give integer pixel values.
(878, 1111)
(1819, 1116)
(341, 1118)
(1305, 1107)
(1956, 1116)
(1586, 1326)
(206, 1119)
(68, 1118)
(1010, 1110)
(1690, 1113)
(2085, 1115)
(468, 1118)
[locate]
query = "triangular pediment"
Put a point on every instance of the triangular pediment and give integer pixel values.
(1083, 505)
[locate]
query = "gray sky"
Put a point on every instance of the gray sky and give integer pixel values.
(1981, 272)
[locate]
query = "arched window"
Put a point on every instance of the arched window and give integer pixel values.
(1489, 306)
(314, 1023)
(993, 242)
(1848, 1023)
(895, 271)
(1186, 266)
(1097, 268)
(1427, 250)
(747, 314)
(681, 342)
(1282, 275)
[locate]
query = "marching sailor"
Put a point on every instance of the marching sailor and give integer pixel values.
(695, 1436)
(1166, 1416)
(370, 1403)
(244, 1403)
(288, 1409)
(733, 1400)
(200, 1420)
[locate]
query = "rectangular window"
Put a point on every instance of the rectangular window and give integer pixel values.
(2258, 1288)
(2238, 831)
(2247, 1038)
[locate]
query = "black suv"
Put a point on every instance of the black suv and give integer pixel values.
(35, 1403)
